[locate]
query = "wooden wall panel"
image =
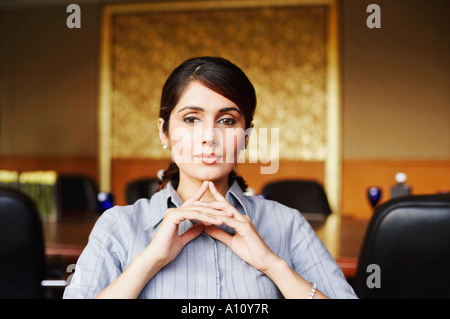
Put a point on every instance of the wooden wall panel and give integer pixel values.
(60, 164)
(424, 177)
(125, 171)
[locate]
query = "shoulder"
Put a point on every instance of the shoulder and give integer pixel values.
(123, 219)
(261, 208)
(263, 204)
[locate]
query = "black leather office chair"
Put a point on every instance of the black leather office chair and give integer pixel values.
(77, 193)
(22, 255)
(408, 240)
(307, 196)
(141, 188)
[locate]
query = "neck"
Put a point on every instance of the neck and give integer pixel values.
(188, 186)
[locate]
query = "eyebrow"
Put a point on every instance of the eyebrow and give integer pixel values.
(200, 109)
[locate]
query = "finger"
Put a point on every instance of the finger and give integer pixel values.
(219, 234)
(218, 196)
(197, 196)
(192, 233)
(237, 225)
(210, 210)
(179, 216)
(214, 204)
(223, 206)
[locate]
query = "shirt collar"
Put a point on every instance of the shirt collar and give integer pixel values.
(237, 198)
(168, 197)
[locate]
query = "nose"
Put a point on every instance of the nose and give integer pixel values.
(209, 137)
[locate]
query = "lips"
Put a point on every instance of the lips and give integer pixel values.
(209, 159)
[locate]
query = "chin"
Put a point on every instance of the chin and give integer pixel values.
(213, 172)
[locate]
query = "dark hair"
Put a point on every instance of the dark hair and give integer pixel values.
(219, 75)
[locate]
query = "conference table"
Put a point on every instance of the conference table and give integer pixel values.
(342, 236)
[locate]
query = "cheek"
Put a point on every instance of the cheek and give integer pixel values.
(181, 141)
(233, 144)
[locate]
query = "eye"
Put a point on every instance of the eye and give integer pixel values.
(191, 120)
(227, 121)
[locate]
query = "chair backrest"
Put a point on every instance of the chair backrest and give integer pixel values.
(406, 249)
(22, 255)
(77, 193)
(141, 188)
(307, 196)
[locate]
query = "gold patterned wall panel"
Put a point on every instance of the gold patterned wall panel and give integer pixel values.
(282, 50)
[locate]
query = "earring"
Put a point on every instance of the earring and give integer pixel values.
(165, 146)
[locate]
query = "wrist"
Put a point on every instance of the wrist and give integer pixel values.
(291, 284)
(133, 279)
(276, 266)
(148, 263)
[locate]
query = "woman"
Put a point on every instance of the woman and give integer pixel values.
(199, 236)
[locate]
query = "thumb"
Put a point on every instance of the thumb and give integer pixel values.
(219, 234)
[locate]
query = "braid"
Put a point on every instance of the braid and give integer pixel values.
(239, 179)
(172, 173)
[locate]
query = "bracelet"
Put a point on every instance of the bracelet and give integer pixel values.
(313, 291)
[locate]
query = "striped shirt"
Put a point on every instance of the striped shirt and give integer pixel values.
(205, 268)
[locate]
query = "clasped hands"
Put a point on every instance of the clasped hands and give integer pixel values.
(246, 243)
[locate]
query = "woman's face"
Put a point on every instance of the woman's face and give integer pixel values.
(206, 133)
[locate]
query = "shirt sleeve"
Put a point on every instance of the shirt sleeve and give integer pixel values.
(312, 260)
(101, 260)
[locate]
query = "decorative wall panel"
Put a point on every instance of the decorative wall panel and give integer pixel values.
(282, 50)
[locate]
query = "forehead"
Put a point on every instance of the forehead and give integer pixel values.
(198, 95)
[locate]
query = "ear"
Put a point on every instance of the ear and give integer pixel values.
(247, 134)
(162, 135)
